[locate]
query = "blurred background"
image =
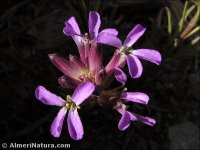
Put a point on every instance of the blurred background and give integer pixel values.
(30, 30)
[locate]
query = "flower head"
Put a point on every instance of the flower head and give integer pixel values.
(72, 29)
(76, 72)
(137, 97)
(85, 41)
(71, 104)
(86, 73)
(132, 56)
(117, 100)
(89, 66)
(127, 116)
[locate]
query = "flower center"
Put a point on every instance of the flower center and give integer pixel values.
(87, 77)
(70, 104)
(88, 38)
(125, 50)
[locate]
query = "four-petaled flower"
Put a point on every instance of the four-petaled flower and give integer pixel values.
(137, 97)
(127, 116)
(131, 56)
(94, 22)
(86, 42)
(75, 127)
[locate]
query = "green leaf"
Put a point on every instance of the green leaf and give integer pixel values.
(181, 22)
(196, 29)
(189, 11)
(195, 40)
(169, 20)
(192, 23)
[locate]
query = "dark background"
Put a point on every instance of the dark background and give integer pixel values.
(29, 30)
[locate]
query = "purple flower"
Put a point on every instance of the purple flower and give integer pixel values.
(76, 72)
(84, 41)
(127, 116)
(72, 29)
(72, 70)
(120, 76)
(90, 61)
(132, 56)
(75, 127)
(137, 97)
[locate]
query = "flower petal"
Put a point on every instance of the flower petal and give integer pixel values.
(94, 24)
(134, 66)
(71, 27)
(78, 40)
(100, 76)
(64, 66)
(77, 64)
(149, 55)
(61, 63)
(110, 31)
(47, 97)
(137, 97)
(120, 76)
(82, 92)
(67, 82)
(124, 122)
(108, 39)
(56, 126)
(95, 60)
(134, 35)
(75, 126)
(145, 120)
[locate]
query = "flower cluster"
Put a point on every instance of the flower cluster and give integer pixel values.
(91, 80)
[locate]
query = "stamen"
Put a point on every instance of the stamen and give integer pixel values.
(82, 77)
(86, 34)
(125, 50)
(124, 106)
(70, 104)
(68, 98)
(125, 89)
(87, 38)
